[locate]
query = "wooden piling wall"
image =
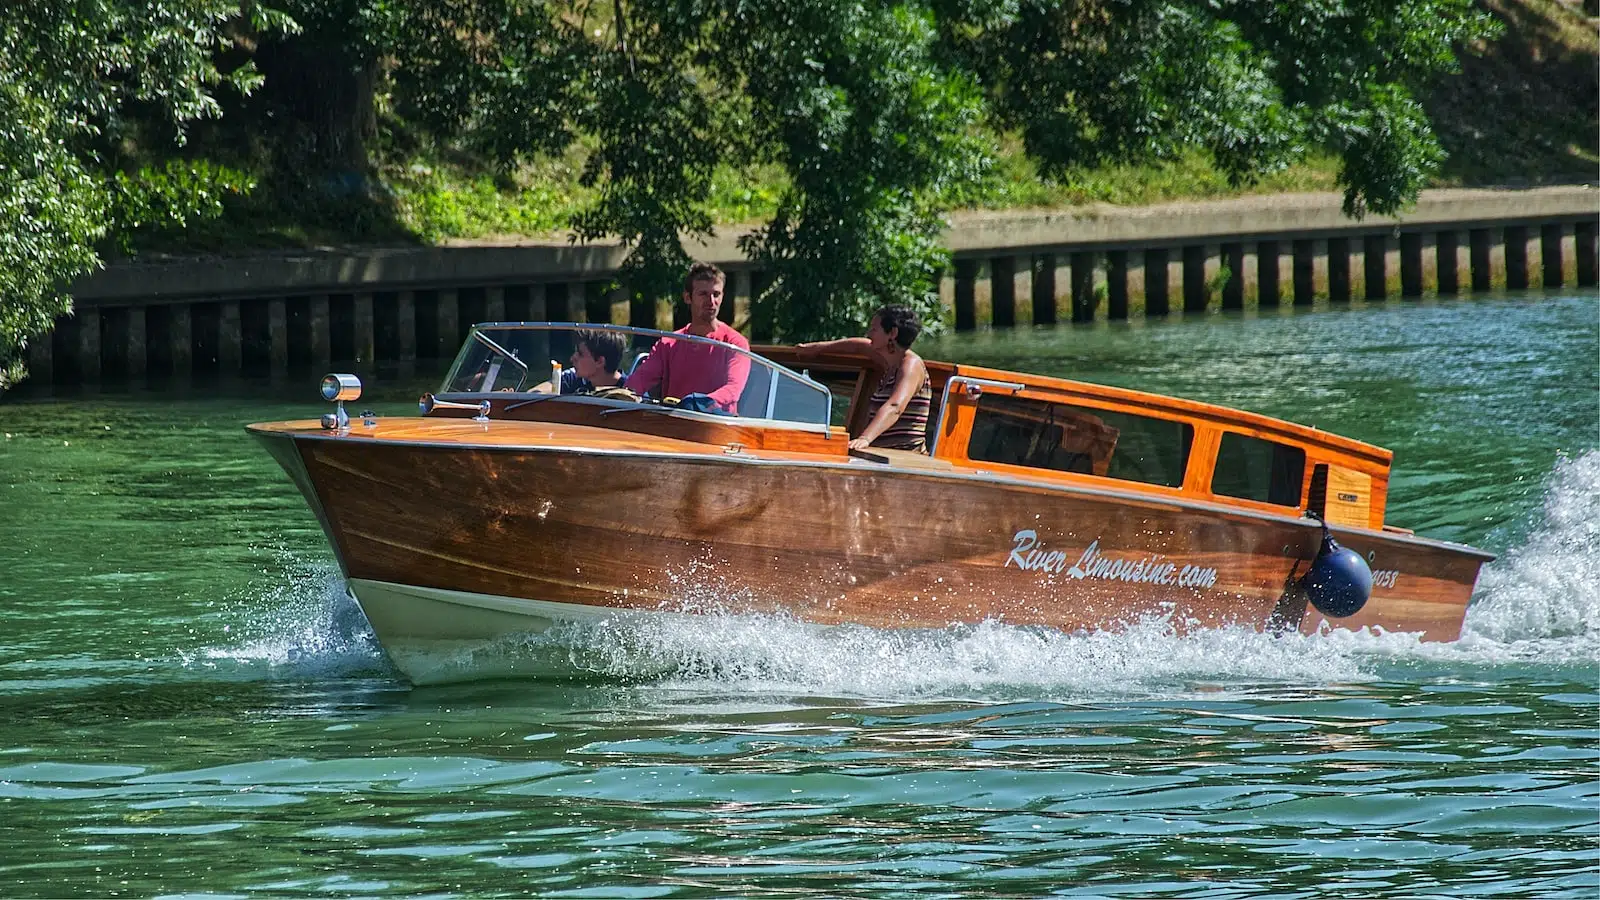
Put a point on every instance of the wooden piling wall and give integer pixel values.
(306, 311)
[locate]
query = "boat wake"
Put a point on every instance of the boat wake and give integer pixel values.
(1548, 588)
(305, 627)
(1539, 604)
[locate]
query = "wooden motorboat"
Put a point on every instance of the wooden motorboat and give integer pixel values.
(502, 509)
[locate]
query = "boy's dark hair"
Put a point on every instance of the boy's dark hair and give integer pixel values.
(702, 271)
(902, 318)
(606, 345)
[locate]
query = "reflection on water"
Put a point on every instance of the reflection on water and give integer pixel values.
(190, 703)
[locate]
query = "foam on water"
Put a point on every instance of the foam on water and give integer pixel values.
(1539, 604)
(305, 626)
(1549, 588)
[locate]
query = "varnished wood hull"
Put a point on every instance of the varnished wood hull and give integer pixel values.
(583, 527)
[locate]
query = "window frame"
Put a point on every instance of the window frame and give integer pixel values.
(959, 410)
(1307, 465)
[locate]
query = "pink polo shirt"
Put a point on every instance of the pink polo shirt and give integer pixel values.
(679, 368)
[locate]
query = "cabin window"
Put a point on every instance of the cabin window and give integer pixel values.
(1254, 469)
(1067, 438)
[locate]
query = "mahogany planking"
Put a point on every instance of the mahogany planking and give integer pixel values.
(831, 543)
(1427, 592)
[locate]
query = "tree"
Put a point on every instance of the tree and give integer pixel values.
(1254, 84)
(76, 79)
(881, 113)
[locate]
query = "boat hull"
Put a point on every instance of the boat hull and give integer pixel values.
(435, 635)
(444, 542)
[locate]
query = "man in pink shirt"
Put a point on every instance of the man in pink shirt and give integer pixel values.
(679, 368)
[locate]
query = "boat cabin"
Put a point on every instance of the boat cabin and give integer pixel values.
(1029, 427)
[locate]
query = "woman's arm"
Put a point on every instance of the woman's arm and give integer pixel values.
(858, 345)
(912, 374)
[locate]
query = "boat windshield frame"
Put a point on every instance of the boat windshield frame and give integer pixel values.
(483, 344)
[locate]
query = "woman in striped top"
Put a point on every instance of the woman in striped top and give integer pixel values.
(900, 406)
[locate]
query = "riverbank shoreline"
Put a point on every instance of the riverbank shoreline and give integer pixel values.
(266, 313)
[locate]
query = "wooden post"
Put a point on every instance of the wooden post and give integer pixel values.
(597, 303)
(494, 303)
(539, 310)
(405, 332)
(1002, 291)
(363, 321)
(1044, 287)
(947, 297)
(1516, 241)
(1339, 269)
(738, 297)
(966, 294)
(762, 324)
(1233, 288)
(1117, 285)
(1550, 256)
(1196, 293)
(1446, 249)
(1584, 234)
(1410, 265)
(87, 319)
(1375, 249)
(277, 337)
(180, 337)
(1022, 288)
(136, 357)
(1482, 277)
(230, 337)
(1155, 282)
(320, 318)
(619, 308)
(1083, 298)
(1305, 261)
(41, 369)
(1268, 291)
(447, 314)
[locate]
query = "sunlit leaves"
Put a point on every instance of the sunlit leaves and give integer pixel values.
(1255, 84)
(70, 72)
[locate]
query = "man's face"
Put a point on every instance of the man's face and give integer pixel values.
(704, 299)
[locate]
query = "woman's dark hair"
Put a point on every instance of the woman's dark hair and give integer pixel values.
(605, 345)
(901, 318)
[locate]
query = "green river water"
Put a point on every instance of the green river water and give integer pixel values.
(190, 706)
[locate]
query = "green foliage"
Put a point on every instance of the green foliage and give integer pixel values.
(877, 115)
(437, 205)
(861, 122)
(1255, 85)
(72, 72)
(168, 198)
(876, 135)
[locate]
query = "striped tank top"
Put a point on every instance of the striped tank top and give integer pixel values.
(910, 431)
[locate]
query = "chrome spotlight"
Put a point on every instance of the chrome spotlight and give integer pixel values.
(338, 388)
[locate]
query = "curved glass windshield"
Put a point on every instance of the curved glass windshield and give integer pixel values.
(708, 376)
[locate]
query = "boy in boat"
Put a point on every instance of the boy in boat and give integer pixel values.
(684, 369)
(898, 417)
(595, 364)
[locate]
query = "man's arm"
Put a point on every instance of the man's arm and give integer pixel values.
(647, 376)
(735, 375)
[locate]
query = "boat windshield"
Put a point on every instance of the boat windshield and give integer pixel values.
(523, 357)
